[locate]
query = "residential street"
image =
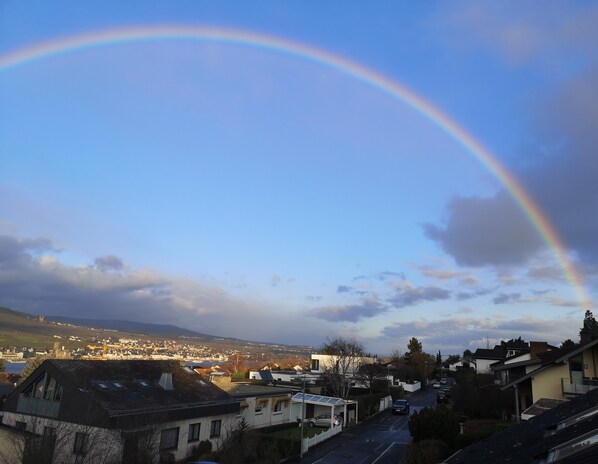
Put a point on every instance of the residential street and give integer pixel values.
(380, 439)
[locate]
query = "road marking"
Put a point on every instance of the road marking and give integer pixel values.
(385, 451)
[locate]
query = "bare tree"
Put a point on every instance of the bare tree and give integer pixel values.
(48, 441)
(372, 375)
(395, 355)
(236, 361)
(345, 356)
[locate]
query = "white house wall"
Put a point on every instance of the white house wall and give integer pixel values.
(107, 445)
(267, 416)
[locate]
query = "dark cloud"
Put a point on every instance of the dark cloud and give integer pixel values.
(349, 313)
(344, 289)
(461, 296)
(411, 296)
(109, 263)
(506, 298)
(557, 163)
(34, 280)
(458, 333)
(481, 231)
(18, 252)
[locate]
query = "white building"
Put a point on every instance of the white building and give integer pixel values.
(78, 410)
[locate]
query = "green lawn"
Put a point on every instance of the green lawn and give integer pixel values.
(294, 433)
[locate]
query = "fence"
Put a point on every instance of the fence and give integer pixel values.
(307, 443)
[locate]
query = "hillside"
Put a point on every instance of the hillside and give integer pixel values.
(131, 326)
(21, 329)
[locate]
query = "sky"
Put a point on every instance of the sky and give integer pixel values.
(290, 172)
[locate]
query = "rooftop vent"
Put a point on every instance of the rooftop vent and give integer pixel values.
(166, 381)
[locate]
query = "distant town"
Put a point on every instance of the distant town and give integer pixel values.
(102, 396)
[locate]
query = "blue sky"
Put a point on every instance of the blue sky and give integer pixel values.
(247, 192)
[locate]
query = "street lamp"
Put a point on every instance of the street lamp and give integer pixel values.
(302, 418)
(425, 380)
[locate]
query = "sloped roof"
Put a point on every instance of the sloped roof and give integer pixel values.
(497, 352)
(139, 381)
(111, 391)
(531, 441)
(550, 358)
(247, 390)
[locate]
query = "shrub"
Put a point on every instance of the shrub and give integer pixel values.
(426, 451)
(440, 423)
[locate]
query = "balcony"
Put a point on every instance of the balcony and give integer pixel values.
(578, 387)
(38, 406)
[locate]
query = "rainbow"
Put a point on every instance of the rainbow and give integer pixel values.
(355, 70)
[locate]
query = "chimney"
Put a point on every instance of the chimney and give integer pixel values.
(537, 348)
(166, 381)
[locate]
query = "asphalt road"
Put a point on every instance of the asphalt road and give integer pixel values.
(381, 439)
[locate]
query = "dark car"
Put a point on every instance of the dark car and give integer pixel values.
(400, 407)
(441, 397)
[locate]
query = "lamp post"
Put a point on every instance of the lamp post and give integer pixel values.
(425, 380)
(302, 418)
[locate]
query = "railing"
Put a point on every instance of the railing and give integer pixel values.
(28, 405)
(307, 443)
(578, 387)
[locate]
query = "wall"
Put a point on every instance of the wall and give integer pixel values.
(267, 416)
(107, 445)
(547, 383)
(590, 357)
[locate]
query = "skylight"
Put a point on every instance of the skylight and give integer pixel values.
(572, 447)
(578, 417)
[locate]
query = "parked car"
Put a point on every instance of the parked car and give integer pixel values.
(441, 397)
(400, 407)
(323, 420)
(436, 385)
(443, 381)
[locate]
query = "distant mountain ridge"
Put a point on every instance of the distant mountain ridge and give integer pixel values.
(22, 321)
(131, 326)
(26, 329)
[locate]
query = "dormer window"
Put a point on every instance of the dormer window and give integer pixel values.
(44, 387)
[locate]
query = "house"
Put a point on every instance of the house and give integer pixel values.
(463, 363)
(561, 374)
(261, 405)
(124, 410)
(484, 358)
(565, 434)
(349, 364)
(522, 363)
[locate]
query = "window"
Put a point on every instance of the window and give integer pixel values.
(50, 389)
(572, 447)
(169, 440)
(81, 441)
(193, 432)
(44, 387)
(20, 425)
(215, 428)
(258, 406)
(279, 406)
(315, 364)
(49, 431)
